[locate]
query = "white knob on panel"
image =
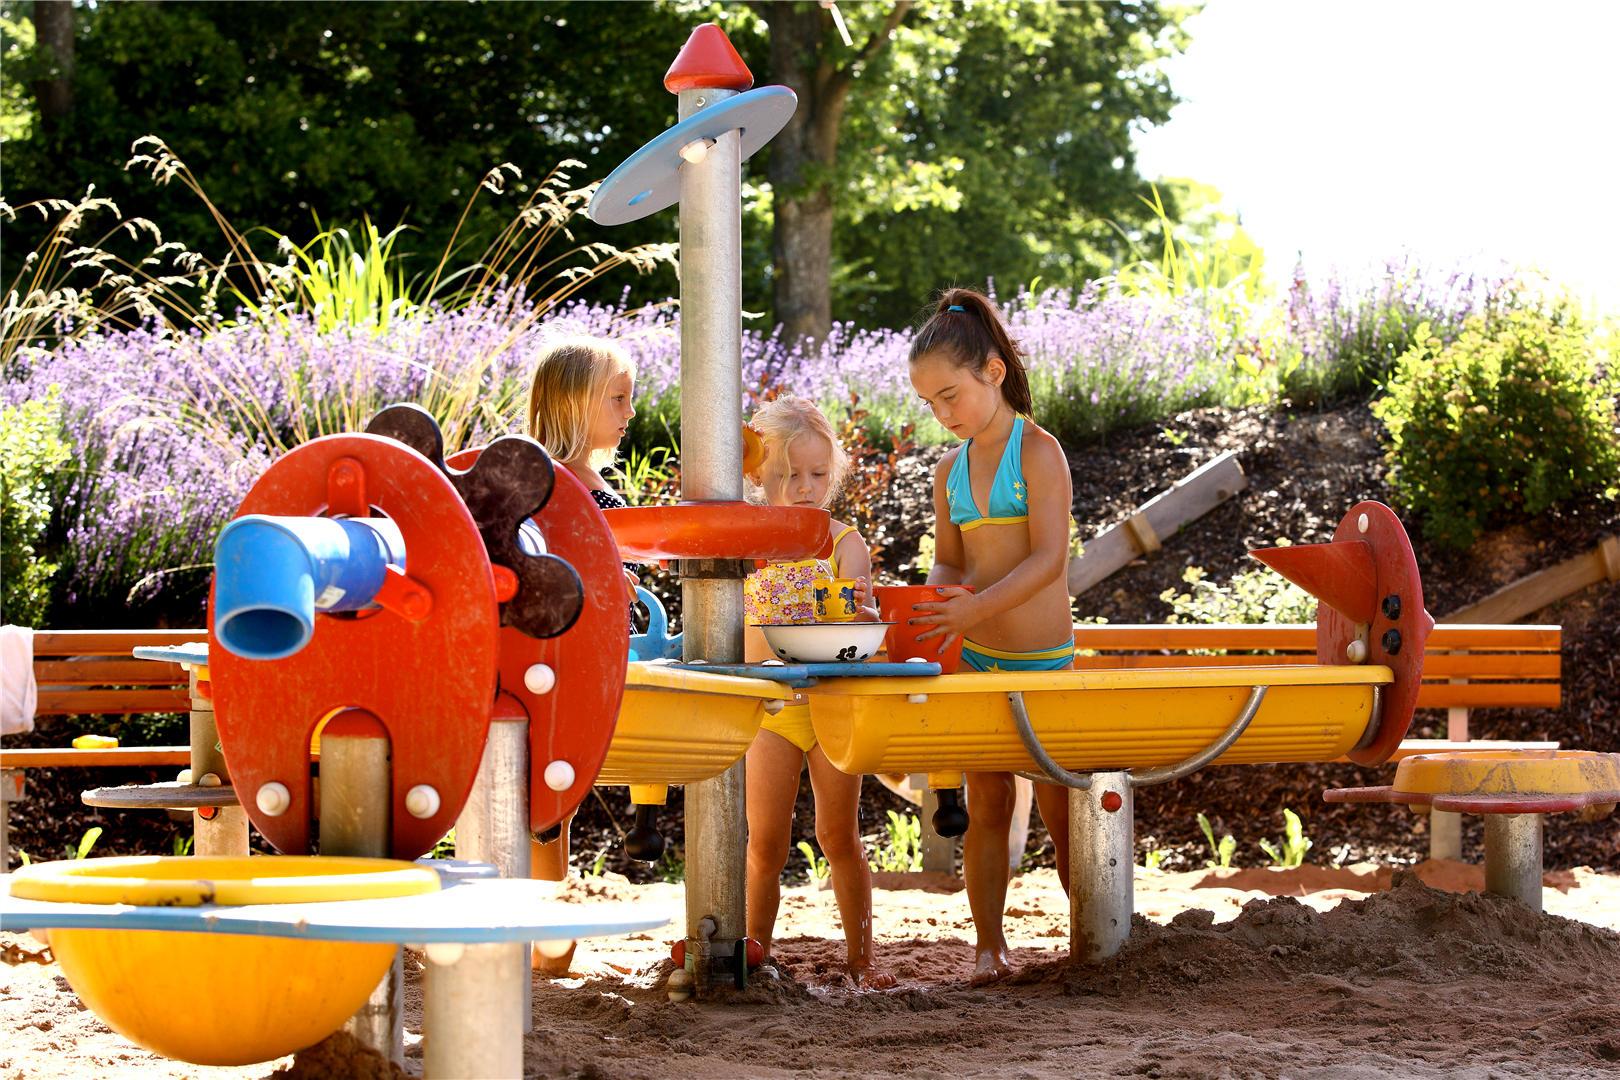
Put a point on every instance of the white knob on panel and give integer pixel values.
(422, 801)
(1362, 523)
(917, 699)
(1356, 651)
(539, 679)
(559, 776)
(274, 799)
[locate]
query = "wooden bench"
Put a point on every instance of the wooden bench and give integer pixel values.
(94, 671)
(1465, 666)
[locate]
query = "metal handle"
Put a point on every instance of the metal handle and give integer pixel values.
(1166, 773)
(1055, 773)
(1163, 774)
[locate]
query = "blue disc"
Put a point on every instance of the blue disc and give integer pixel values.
(650, 179)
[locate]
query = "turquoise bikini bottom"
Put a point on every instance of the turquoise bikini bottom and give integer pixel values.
(982, 658)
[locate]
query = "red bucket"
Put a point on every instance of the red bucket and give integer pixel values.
(894, 605)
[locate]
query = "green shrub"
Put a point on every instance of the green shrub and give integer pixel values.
(1512, 415)
(31, 449)
(1254, 596)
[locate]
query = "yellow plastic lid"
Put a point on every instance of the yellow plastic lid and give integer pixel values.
(191, 880)
(94, 742)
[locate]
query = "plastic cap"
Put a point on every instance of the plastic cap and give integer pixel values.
(708, 60)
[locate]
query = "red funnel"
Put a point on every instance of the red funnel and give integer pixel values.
(1343, 575)
(708, 61)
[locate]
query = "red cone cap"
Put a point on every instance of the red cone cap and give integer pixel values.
(708, 61)
(1343, 575)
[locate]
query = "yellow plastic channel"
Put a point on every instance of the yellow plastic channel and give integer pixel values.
(1113, 719)
(680, 726)
(1509, 772)
(187, 881)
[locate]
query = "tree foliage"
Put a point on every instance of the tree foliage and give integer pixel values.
(991, 139)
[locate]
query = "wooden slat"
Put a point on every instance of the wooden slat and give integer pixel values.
(49, 757)
(1298, 637)
(1195, 636)
(1193, 496)
(1185, 660)
(109, 673)
(58, 702)
(1531, 594)
(1493, 665)
(1488, 696)
(108, 642)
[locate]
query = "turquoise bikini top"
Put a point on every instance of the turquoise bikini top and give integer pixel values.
(1009, 495)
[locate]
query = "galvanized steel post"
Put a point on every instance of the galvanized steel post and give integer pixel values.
(1101, 866)
(711, 469)
(471, 999)
(1513, 856)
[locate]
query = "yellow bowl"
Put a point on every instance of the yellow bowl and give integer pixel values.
(219, 999)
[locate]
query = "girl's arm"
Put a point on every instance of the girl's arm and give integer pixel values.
(949, 558)
(1046, 471)
(854, 560)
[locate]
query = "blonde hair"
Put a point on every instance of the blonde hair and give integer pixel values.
(570, 380)
(782, 421)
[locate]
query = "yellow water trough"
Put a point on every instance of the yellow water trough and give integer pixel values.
(1092, 720)
(680, 725)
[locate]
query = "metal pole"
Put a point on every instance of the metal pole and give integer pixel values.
(711, 469)
(356, 819)
(472, 1011)
(1513, 856)
(493, 826)
(1102, 854)
(226, 831)
(1445, 835)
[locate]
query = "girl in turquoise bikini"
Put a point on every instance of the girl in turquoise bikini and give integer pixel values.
(1001, 509)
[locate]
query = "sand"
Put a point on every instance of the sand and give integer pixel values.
(1311, 973)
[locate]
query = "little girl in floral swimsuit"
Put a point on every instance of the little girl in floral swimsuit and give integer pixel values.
(804, 467)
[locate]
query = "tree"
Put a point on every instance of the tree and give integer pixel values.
(803, 156)
(53, 30)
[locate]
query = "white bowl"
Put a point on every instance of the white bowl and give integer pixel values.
(826, 643)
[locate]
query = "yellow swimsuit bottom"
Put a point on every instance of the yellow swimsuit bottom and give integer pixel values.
(793, 724)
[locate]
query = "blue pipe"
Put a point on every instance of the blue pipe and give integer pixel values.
(272, 574)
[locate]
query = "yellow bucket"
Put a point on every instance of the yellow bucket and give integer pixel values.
(219, 999)
(679, 725)
(1133, 718)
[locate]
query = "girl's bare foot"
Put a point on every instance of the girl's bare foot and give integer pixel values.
(873, 980)
(992, 964)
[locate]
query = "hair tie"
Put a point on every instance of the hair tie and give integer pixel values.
(954, 307)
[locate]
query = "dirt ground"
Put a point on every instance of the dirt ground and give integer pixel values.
(1360, 973)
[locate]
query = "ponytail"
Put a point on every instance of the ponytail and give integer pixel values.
(967, 328)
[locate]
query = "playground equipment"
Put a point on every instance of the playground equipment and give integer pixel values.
(1103, 734)
(1512, 789)
(293, 945)
(698, 162)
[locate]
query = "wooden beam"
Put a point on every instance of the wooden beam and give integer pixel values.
(1531, 594)
(61, 702)
(1188, 499)
(108, 642)
(57, 757)
(109, 673)
(1299, 637)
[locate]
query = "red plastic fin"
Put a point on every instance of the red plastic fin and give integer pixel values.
(708, 60)
(405, 596)
(346, 489)
(1343, 575)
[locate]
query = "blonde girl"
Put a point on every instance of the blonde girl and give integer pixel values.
(1001, 508)
(580, 405)
(804, 467)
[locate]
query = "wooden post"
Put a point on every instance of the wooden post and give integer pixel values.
(938, 852)
(1531, 594)
(1189, 498)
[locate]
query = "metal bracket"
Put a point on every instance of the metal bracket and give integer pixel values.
(711, 569)
(1055, 773)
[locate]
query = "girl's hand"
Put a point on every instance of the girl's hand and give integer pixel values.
(950, 617)
(865, 610)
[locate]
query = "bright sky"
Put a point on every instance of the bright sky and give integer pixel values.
(1456, 130)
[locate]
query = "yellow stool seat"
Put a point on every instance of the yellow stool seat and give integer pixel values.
(1090, 720)
(681, 725)
(214, 998)
(1509, 772)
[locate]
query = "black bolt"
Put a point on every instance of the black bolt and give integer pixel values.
(1392, 607)
(1392, 642)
